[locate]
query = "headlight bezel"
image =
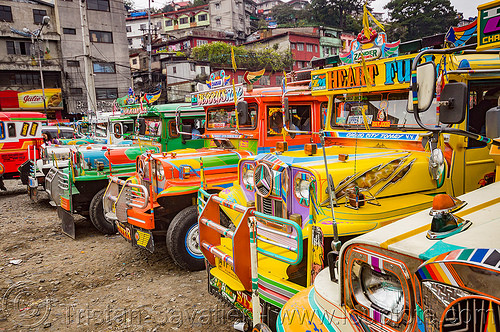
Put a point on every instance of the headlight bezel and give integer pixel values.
(355, 260)
(248, 176)
(301, 187)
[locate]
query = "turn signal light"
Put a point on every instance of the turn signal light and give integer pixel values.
(343, 157)
(310, 149)
(281, 146)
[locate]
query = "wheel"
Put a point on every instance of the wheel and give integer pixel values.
(183, 241)
(96, 213)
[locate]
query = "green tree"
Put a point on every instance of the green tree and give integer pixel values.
(219, 54)
(337, 13)
(422, 18)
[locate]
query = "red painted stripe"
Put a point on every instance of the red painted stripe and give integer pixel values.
(278, 295)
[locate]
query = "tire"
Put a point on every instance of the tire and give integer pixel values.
(183, 240)
(96, 214)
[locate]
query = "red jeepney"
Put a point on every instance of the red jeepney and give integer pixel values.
(20, 138)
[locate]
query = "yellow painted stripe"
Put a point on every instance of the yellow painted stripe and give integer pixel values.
(424, 228)
(404, 236)
(477, 207)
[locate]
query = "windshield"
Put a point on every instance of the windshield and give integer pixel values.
(224, 118)
(149, 126)
(301, 119)
(378, 111)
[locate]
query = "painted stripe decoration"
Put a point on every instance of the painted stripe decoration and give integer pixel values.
(489, 258)
(439, 272)
(377, 315)
(376, 263)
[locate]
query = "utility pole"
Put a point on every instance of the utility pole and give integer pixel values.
(89, 78)
(149, 42)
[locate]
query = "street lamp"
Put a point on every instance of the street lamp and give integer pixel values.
(36, 35)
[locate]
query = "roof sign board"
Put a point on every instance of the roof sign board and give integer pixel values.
(488, 28)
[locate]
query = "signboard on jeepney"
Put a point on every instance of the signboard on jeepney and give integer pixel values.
(217, 96)
(33, 99)
(383, 75)
(488, 27)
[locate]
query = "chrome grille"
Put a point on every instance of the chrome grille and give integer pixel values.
(270, 206)
(436, 297)
(267, 205)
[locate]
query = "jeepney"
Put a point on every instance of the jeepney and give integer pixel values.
(438, 269)
(79, 189)
(381, 166)
(168, 183)
(20, 134)
(33, 171)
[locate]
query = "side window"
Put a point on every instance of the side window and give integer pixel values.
(275, 121)
(11, 129)
(2, 131)
(34, 127)
(117, 130)
(172, 130)
(24, 129)
(195, 126)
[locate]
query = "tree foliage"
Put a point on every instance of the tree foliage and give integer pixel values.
(337, 13)
(219, 54)
(422, 18)
(284, 14)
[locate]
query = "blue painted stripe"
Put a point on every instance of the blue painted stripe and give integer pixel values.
(479, 255)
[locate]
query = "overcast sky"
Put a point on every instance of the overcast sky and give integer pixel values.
(467, 7)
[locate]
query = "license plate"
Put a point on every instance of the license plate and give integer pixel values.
(124, 230)
(225, 267)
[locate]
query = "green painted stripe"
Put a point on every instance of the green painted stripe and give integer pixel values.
(465, 254)
(277, 284)
(268, 300)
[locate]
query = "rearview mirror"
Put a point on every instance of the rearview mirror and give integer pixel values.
(142, 126)
(426, 87)
(242, 108)
(453, 103)
(187, 129)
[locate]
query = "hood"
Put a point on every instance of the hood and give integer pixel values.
(116, 155)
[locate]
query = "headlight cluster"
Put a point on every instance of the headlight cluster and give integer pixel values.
(383, 290)
(247, 176)
(378, 287)
(301, 185)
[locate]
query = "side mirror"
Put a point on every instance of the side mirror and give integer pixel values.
(288, 117)
(493, 123)
(242, 108)
(453, 103)
(187, 129)
(142, 126)
(426, 87)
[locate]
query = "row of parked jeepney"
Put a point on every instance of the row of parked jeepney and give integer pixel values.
(327, 204)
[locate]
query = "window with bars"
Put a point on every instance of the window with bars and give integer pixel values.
(100, 36)
(202, 17)
(300, 47)
(183, 20)
(5, 14)
(106, 93)
(168, 23)
(101, 5)
(38, 15)
(75, 91)
(25, 79)
(73, 63)
(18, 48)
(309, 47)
(104, 67)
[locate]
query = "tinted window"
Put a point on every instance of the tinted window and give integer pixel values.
(11, 129)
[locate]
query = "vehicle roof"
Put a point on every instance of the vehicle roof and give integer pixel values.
(408, 235)
(22, 116)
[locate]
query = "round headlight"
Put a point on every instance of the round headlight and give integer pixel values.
(302, 188)
(247, 177)
(383, 290)
(160, 172)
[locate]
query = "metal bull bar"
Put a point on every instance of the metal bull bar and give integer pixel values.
(122, 195)
(285, 234)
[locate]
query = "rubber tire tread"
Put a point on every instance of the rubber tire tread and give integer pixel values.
(175, 239)
(96, 215)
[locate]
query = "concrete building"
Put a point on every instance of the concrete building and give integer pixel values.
(90, 76)
(264, 7)
(137, 29)
(303, 46)
(20, 53)
(96, 62)
(233, 17)
(183, 77)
